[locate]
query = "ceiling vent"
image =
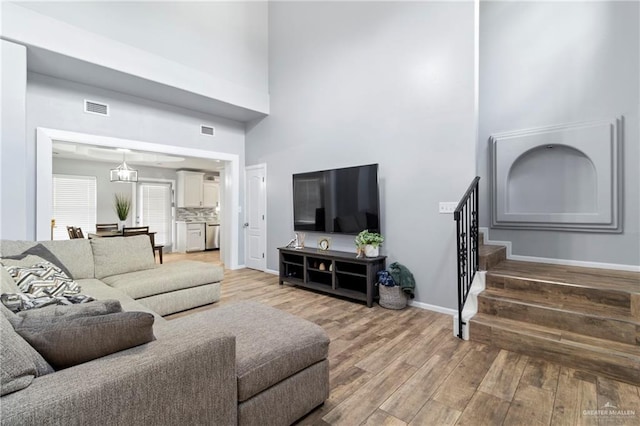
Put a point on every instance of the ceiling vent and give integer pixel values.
(207, 130)
(93, 107)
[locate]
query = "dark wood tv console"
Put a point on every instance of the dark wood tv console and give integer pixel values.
(333, 272)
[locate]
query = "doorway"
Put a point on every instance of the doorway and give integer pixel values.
(230, 175)
(255, 225)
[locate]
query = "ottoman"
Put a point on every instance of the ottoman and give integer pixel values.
(281, 360)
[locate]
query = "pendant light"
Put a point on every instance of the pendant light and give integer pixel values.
(123, 173)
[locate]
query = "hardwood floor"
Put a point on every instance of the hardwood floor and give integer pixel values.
(406, 367)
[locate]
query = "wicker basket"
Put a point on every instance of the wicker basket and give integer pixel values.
(392, 297)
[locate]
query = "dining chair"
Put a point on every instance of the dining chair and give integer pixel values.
(106, 227)
(79, 233)
(72, 232)
(135, 230)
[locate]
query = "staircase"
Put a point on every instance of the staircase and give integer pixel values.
(584, 318)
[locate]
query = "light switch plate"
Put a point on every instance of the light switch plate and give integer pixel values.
(447, 207)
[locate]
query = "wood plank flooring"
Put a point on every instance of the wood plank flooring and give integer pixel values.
(406, 367)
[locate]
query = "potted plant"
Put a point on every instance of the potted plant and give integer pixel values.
(369, 243)
(122, 206)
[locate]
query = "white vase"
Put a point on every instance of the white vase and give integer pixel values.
(371, 251)
(122, 224)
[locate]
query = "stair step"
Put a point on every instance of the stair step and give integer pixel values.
(605, 322)
(599, 356)
(601, 286)
(491, 255)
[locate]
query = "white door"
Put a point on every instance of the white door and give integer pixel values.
(255, 217)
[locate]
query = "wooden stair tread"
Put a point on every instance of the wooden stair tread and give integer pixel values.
(594, 344)
(607, 279)
(576, 306)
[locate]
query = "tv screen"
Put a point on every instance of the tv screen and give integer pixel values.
(339, 201)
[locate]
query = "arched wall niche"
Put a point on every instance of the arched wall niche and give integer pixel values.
(565, 177)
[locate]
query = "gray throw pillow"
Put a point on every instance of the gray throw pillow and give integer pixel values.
(65, 342)
(89, 309)
(42, 252)
(29, 353)
(17, 370)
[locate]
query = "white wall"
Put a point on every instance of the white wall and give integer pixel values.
(57, 104)
(224, 39)
(13, 92)
(367, 82)
(546, 63)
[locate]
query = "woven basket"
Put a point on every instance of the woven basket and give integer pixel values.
(392, 297)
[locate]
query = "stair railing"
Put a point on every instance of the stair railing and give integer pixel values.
(466, 217)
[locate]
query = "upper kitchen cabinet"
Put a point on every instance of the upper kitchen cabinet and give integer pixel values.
(190, 189)
(210, 190)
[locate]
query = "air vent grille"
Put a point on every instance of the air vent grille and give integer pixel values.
(93, 107)
(208, 130)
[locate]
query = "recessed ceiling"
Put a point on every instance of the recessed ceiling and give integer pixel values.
(83, 152)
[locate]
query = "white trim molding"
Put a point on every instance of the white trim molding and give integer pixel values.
(568, 262)
(434, 308)
(44, 172)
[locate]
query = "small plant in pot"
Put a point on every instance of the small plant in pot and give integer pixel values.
(122, 206)
(369, 243)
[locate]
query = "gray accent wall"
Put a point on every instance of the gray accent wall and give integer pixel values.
(356, 83)
(551, 63)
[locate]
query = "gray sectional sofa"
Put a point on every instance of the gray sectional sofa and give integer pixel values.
(242, 363)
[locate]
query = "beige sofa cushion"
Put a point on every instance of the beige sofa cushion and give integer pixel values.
(75, 254)
(166, 278)
(119, 255)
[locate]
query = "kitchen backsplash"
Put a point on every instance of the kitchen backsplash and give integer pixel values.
(187, 214)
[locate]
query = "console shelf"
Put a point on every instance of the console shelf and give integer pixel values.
(341, 273)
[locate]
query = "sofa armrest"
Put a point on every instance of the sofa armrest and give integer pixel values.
(187, 378)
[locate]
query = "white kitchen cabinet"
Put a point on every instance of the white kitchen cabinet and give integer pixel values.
(190, 189)
(190, 237)
(210, 194)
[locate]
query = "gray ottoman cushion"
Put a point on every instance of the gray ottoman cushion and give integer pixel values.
(271, 345)
(166, 278)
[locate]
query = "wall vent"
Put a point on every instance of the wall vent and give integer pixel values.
(93, 107)
(207, 130)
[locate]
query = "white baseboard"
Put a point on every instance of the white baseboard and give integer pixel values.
(272, 272)
(568, 262)
(434, 308)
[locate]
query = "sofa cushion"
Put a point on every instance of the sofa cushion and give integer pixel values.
(36, 254)
(67, 341)
(100, 291)
(119, 255)
(271, 344)
(42, 367)
(17, 370)
(75, 254)
(166, 278)
(97, 307)
(7, 284)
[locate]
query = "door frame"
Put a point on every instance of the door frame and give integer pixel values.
(44, 177)
(264, 209)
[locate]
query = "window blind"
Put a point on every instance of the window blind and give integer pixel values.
(74, 204)
(155, 210)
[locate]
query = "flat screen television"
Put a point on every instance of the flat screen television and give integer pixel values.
(342, 201)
